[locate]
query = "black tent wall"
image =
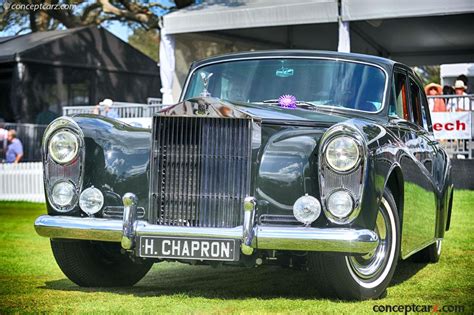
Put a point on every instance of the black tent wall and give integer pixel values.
(74, 67)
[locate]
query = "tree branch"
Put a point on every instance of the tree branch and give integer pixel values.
(91, 12)
(32, 18)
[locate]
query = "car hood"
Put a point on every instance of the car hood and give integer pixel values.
(212, 107)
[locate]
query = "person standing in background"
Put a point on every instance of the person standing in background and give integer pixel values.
(108, 110)
(459, 103)
(435, 104)
(15, 148)
(464, 79)
(447, 90)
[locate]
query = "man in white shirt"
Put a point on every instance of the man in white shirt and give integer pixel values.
(456, 104)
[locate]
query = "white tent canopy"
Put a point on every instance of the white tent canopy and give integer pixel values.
(236, 14)
(356, 10)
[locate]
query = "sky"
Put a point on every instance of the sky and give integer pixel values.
(119, 30)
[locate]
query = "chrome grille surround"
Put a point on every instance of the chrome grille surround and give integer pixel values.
(199, 171)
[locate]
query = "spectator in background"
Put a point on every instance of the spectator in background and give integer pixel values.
(108, 110)
(447, 90)
(15, 148)
(435, 104)
(464, 79)
(459, 103)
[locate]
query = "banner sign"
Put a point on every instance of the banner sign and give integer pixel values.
(451, 125)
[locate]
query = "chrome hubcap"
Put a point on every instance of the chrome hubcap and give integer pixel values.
(372, 264)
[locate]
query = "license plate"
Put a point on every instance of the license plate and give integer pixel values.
(188, 248)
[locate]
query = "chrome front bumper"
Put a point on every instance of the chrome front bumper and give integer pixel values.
(252, 236)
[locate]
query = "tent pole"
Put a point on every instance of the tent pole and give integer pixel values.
(344, 44)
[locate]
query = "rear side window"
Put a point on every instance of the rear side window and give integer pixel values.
(399, 102)
(415, 96)
(425, 112)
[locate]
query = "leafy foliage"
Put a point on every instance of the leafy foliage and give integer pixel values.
(429, 74)
(146, 41)
(145, 14)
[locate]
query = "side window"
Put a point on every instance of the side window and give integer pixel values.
(399, 103)
(425, 112)
(416, 103)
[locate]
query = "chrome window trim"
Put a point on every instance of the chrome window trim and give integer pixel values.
(382, 108)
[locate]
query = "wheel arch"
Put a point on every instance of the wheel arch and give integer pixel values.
(395, 183)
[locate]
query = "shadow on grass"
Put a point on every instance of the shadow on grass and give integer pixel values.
(225, 283)
(405, 270)
(207, 282)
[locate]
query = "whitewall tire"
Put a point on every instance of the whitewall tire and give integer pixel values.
(362, 277)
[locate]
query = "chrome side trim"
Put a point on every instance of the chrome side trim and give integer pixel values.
(343, 240)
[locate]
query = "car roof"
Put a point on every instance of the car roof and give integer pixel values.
(383, 62)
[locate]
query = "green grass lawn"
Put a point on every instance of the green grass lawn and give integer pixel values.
(30, 280)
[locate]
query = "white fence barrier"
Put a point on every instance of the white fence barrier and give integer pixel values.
(21, 182)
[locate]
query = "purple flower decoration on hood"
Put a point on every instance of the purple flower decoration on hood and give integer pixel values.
(287, 101)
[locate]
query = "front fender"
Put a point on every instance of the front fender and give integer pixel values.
(116, 158)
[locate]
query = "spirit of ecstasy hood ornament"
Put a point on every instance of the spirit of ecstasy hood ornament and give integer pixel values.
(205, 76)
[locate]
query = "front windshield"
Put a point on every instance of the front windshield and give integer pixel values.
(315, 82)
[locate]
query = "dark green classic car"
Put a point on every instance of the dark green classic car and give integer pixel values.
(317, 160)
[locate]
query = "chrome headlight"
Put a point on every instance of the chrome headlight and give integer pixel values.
(340, 204)
(63, 194)
(63, 146)
(342, 154)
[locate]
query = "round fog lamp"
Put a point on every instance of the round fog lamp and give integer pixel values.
(91, 200)
(306, 209)
(62, 194)
(63, 146)
(340, 204)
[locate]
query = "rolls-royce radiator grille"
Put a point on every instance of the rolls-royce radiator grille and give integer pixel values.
(200, 171)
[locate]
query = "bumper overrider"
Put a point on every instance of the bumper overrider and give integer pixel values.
(250, 235)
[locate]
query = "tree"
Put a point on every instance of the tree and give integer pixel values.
(144, 14)
(429, 74)
(147, 42)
